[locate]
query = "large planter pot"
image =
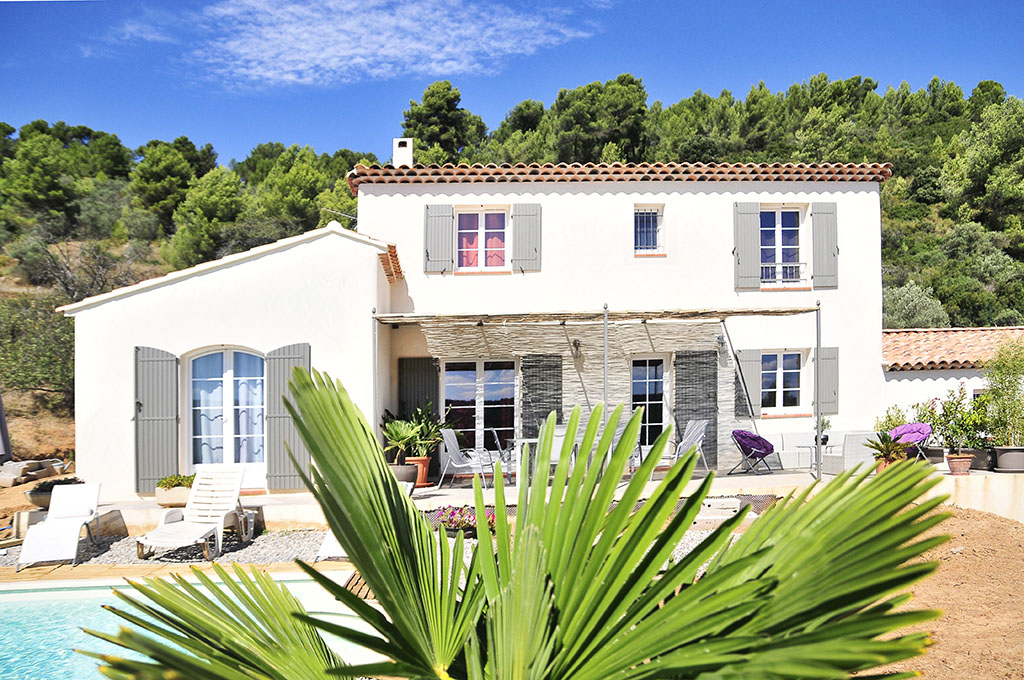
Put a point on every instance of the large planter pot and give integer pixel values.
(405, 473)
(960, 464)
(422, 463)
(40, 499)
(468, 532)
(984, 459)
(175, 497)
(935, 454)
(1009, 458)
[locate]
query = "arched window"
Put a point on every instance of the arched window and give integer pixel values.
(226, 420)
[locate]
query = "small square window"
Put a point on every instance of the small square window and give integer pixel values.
(480, 239)
(647, 229)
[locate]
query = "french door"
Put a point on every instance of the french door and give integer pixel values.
(479, 397)
(226, 413)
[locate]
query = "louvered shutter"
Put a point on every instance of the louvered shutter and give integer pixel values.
(541, 391)
(281, 430)
(696, 396)
(828, 374)
(746, 245)
(748, 361)
(526, 236)
(156, 417)
(825, 242)
(438, 238)
(417, 384)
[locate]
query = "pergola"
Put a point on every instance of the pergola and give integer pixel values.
(606, 316)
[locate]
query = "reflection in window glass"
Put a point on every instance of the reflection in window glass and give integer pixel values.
(648, 384)
(227, 408)
(480, 399)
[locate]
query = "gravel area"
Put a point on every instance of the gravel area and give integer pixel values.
(268, 548)
(271, 547)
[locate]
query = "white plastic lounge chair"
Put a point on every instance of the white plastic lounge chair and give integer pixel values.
(212, 507)
(72, 506)
(330, 548)
(693, 437)
(454, 458)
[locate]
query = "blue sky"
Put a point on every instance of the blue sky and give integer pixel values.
(338, 73)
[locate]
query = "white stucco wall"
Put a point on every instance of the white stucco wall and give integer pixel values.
(906, 388)
(588, 260)
(319, 291)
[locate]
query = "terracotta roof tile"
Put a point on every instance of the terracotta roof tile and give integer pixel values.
(619, 172)
(389, 262)
(922, 349)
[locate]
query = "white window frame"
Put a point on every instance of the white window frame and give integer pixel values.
(480, 429)
(481, 211)
(666, 388)
(804, 406)
(804, 243)
(228, 406)
(659, 210)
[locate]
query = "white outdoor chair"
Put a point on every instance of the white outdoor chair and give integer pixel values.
(72, 506)
(454, 459)
(212, 507)
(693, 437)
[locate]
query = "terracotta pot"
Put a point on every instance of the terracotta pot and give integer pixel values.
(881, 464)
(405, 473)
(960, 464)
(1009, 458)
(175, 497)
(423, 465)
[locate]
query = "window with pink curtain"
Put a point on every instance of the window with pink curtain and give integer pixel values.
(469, 238)
(480, 241)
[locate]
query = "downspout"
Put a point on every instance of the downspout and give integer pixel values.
(376, 418)
(817, 391)
(605, 398)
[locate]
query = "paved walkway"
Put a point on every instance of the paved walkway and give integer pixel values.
(87, 572)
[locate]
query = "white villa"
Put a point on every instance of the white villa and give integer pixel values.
(489, 291)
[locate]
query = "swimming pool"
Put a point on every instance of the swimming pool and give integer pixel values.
(40, 628)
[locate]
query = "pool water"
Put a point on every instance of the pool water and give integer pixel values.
(39, 631)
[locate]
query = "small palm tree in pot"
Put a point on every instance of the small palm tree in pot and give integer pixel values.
(886, 450)
(401, 435)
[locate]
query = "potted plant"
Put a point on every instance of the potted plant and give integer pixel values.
(959, 423)
(826, 425)
(462, 519)
(401, 436)
(427, 439)
(39, 495)
(172, 491)
(1004, 374)
(886, 450)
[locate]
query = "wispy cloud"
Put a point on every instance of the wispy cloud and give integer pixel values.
(267, 43)
(139, 30)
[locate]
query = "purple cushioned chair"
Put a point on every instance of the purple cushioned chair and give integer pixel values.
(753, 451)
(913, 436)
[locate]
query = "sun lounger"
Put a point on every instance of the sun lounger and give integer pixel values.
(72, 506)
(212, 507)
(330, 548)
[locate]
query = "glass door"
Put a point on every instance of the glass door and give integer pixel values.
(480, 399)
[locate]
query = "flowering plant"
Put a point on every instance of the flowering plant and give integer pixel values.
(463, 518)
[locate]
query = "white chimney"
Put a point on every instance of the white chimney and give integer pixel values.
(401, 151)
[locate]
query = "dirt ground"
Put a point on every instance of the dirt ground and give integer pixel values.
(979, 587)
(36, 432)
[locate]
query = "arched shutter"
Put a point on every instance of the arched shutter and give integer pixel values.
(156, 417)
(281, 430)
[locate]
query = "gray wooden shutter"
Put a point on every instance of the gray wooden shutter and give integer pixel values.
(417, 384)
(747, 245)
(748, 361)
(281, 430)
(828, 374)
(526, 235)
(541, 391)
(696, 396)
(438, 238)
(825, 241)
(156, 417)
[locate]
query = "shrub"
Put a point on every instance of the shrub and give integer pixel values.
(47, 485)
(172, 481)
(894, 417)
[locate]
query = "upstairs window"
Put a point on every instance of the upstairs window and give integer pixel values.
(647, 229)
(480, 239)
(780, 247)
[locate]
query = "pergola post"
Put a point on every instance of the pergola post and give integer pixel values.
(605, 398)
(817, 390)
